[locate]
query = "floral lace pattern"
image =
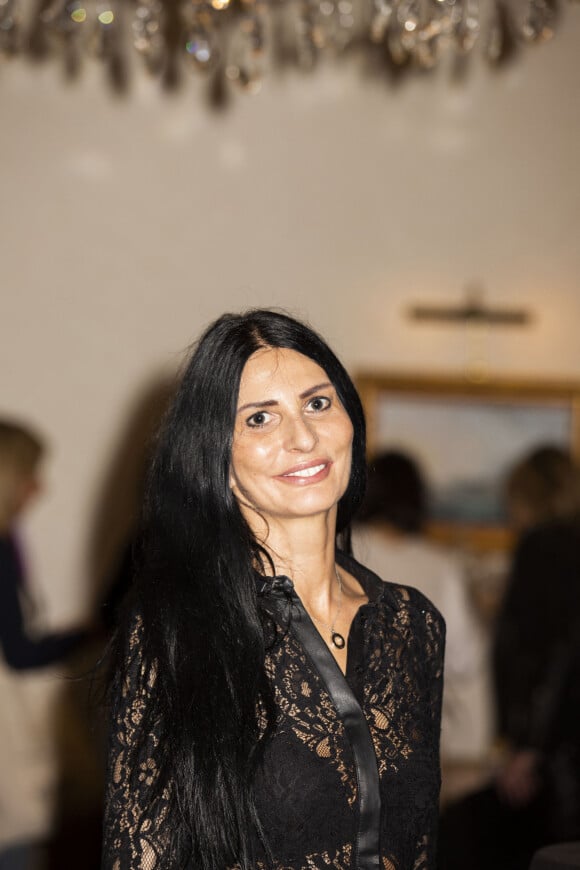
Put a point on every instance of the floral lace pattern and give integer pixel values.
(134, 830)
(306, 788)
(306, 710)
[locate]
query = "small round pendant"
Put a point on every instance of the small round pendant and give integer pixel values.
(337, 640)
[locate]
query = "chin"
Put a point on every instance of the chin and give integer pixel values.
(311, 507)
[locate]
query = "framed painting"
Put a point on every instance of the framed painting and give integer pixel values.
(466, 436)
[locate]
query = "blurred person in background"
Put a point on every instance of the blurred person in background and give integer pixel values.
(391, 540)
(27, 762)
(535, 797)
(536, 648)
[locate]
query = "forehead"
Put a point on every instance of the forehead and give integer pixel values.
(269, 370)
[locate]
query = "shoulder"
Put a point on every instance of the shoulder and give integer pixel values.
(550, 538)
(545, 570)
(413, 599)
(420, 613)
(549, 549)
(407, 601)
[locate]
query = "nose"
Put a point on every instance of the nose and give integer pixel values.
(301, 434)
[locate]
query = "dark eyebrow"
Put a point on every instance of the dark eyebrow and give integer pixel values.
(271, 403)
(311, 390)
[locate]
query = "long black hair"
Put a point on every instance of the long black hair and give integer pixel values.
(203, 630)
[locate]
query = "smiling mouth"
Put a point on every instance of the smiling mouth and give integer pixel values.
(307, 472)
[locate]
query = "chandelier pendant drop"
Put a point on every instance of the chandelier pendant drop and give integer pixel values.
(237, 42)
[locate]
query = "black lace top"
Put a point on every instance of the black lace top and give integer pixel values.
(350, 778)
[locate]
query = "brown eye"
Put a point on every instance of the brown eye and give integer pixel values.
(319, 403)
(260, 418)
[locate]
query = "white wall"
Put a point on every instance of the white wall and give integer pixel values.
(127, 224)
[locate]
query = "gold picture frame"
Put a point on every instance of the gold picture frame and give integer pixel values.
(490, 423)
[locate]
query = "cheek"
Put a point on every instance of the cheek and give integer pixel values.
(347, 434)
(348, 467)
(248, 461)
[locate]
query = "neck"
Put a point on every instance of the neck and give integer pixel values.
(304, 550)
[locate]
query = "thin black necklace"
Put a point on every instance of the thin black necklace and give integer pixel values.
(336, 638)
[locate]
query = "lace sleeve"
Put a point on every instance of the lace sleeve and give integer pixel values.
(425, 857)
(134, 836)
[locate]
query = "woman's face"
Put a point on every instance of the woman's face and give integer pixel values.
(292, 443)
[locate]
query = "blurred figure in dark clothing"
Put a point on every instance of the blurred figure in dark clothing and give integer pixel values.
(536, 649)
(535, 798)
(21, 452)
(25, 813)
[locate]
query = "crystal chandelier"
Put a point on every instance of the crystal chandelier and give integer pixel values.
(237, 41)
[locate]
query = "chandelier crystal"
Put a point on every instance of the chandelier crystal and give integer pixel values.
(238, 41)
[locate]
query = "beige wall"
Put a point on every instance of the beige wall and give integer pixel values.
(127, 224)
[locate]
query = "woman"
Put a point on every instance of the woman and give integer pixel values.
(279, 705)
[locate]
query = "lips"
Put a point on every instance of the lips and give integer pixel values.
(307, 472)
